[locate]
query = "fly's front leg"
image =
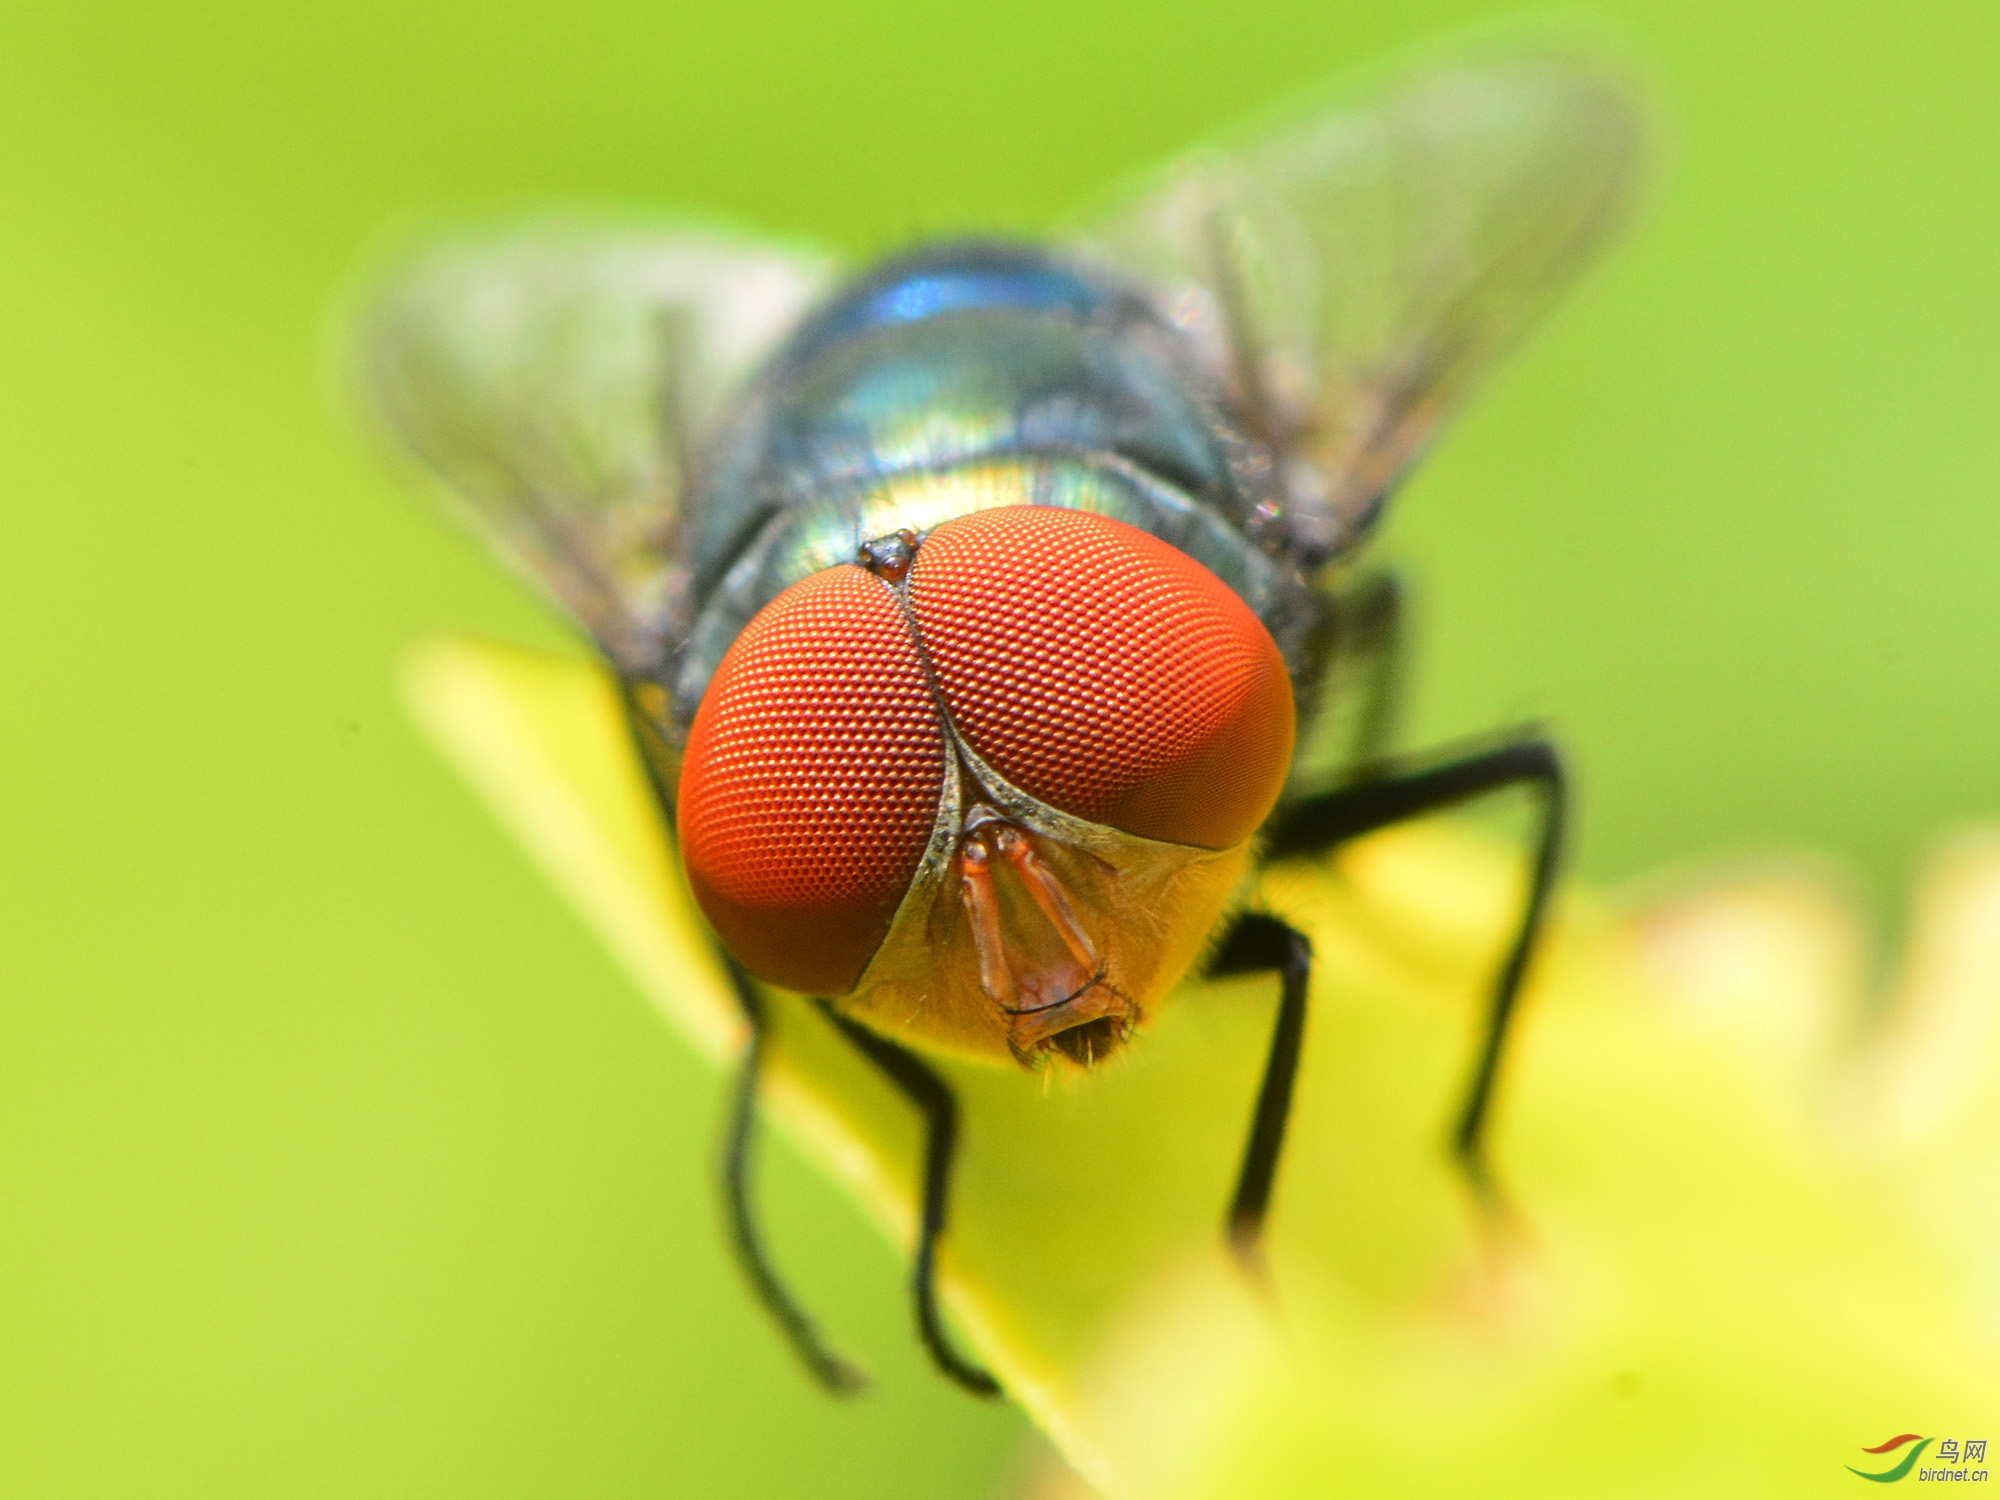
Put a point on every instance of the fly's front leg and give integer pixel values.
(645, 705)
(1320, 823)
(1260, 944)
(926, 1089)
(739, 1139)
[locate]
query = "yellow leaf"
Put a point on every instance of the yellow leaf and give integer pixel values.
(1722, 1274)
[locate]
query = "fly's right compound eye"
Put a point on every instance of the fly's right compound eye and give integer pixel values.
(1106, 672)
(811, 783)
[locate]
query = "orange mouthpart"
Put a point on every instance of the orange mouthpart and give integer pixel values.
(1037, 963)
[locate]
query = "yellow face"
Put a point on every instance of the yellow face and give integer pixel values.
(989, 787)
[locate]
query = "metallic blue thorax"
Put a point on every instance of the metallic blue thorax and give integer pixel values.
(958, 379)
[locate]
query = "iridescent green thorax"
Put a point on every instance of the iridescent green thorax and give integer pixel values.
(959, 379)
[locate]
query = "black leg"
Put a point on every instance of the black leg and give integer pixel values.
(933, 1098)
(1260, 944)
(930, 1093)
(739, 1137)
(645, 714)
(1370, 620)
(1353, 703)
(1319, 823)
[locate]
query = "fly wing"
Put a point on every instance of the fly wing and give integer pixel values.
(1353, 266)
(556, 376)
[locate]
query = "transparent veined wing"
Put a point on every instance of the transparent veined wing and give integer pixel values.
(1353, 264)
(557, 374)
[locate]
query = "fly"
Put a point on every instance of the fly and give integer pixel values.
(986, 615)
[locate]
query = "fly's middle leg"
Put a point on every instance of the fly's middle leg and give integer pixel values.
(1261, 944)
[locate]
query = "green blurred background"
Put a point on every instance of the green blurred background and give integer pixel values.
(334, 1158)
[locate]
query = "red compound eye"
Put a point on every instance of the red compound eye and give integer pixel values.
(811, 782)
(1105, 672)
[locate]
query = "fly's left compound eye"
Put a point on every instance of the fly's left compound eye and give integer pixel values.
(811, 783)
